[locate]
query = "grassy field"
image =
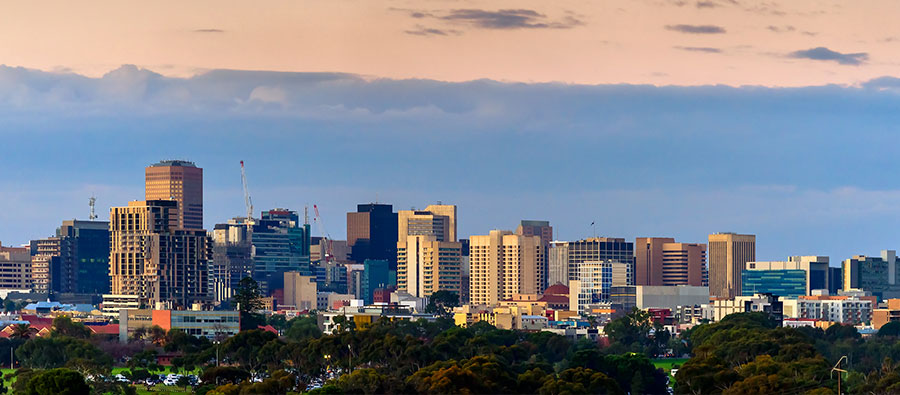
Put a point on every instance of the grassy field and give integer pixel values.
(666, 363)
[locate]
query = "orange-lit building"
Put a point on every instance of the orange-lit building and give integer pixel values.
(181, 181)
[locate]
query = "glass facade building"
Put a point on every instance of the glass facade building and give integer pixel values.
(786, 283)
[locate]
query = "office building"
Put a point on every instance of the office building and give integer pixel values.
(661, 297)
(372, 233)
(339, 250)
(840, 309)
(795, 277)
(596, 249)
(214, 325)
(300, 291)
(878, 275)
(464, 274)
(374, 276)
(232, 260)
(502, 264)
(152, 257)
(438, 220)
(181, 181)
(662, 261)
(763, 303)
(15, 268)
(280, 244)
(558, 263)
(536, 228)
(426, 265)
(80, 258)
(595, 282)
(728, 254)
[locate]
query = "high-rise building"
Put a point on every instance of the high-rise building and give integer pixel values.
(728, 254)
(426, 265)
(502, 264)
(797, 276)
(595, 281)
(81, 258)
(232, 259)
(15, 268)
(595, 249)
(372, 233)
(536, 228)
(438, 220)
(878, 275)
(280, 244)
(661, 261)
(373, 276)
(181, 181)
(464, 273)
(152, 257)
(338, 248)
(558, 263)
(300, 291)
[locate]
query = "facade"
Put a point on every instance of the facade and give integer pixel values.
(764, 303)
(151, 257)
(878, 275)
(213, 325)
(300, 291)
(799, 275)
(669, 297)
(339, 250)
(42, 280)
(15, 268)
(232, 259)
(558, 263)
(595, 282)
(536, 228)
(889, 314)
(374, 276)
(80, 262)
(502, 264)
(280, 244)
(426, 265)
(438, 220)
(840, 309)
(599, 249)
(372, 233)
(181, 181)
(728, 255)
(112, 304)
(662, 261)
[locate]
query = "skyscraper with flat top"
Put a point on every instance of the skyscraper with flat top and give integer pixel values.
(438, 220)
(502, 264)
(372, 233)
(728, 255)
(662, 261)
(181, 181)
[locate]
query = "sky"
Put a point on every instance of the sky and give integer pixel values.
(649, 118)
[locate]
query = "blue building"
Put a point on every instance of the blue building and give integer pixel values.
(787, 283)
(375, 275)
(280, 244)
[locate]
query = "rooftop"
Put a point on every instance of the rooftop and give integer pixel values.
(174, 162)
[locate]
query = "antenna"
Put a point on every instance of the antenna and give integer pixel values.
(92, 203)
(247, 201)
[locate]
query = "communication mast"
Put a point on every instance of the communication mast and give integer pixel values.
(92, 203)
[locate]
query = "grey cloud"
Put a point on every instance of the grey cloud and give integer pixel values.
(209, 31)
(430, 31)
(699, 49)
(696, 29)
(509, 19)
(781, 29)
(707, 4)
(822, 53)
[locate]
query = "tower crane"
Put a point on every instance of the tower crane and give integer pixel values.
(247, 200)
(329, 247)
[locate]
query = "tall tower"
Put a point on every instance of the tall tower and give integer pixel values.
(181, 181)
(151, 257)
(426, 265)
(438, 220)
(503, 264)
(372, 233)
(728, 254)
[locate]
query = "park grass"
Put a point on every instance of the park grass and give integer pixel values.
(666, 363)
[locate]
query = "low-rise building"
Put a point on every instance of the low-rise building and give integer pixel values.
(112, 304)
(362, 317)
(764, 303)
(890, 313)
(840, 309)
(212, 325)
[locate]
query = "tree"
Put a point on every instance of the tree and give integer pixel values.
(224, 375)
(23, 331)
(248, 296)
(64, 326)
(183, 381)
(302, 328)
(890, 329)
(442, 302)
(157, 335)
(57, 382)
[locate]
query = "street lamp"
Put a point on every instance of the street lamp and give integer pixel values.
(350, 353)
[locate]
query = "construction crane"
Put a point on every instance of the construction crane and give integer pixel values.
(329, 247)
(247, 201)
(92, 203)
